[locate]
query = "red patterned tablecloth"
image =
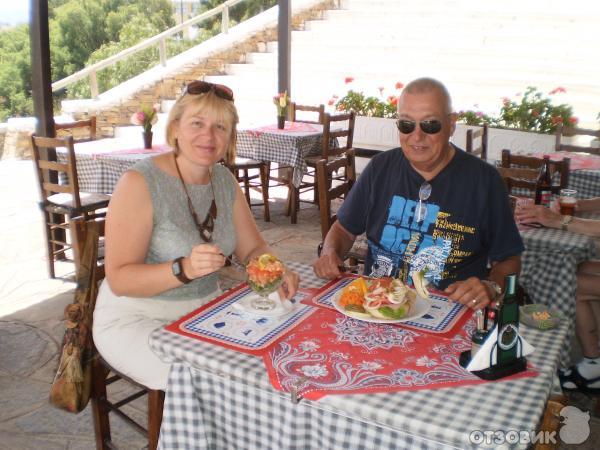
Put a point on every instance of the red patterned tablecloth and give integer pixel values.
(329, 353)
(579, 161)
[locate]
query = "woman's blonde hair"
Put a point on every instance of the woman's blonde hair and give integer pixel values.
(212, 105)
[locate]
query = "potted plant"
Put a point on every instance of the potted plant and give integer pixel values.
(146, 116)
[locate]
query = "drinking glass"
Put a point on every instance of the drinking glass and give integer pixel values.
(567, 201)
(265, 275)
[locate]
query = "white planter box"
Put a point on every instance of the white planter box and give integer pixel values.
(382, 134)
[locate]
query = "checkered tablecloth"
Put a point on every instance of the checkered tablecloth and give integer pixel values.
(222, 399)
(549, 271)
(282, 147)
(99, 168)
(586, 182)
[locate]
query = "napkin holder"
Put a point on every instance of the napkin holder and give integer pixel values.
(502, 344)
(498, 370)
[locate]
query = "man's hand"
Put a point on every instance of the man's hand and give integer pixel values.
(471, 292)
(328, 266)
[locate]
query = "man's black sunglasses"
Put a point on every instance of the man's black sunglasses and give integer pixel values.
(202, 87)
(433, 126)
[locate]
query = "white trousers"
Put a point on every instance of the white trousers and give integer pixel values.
(121, 329)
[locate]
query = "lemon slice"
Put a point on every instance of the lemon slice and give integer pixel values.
(266, 259)
(419, 282)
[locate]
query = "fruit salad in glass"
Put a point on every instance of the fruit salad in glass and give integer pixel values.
(265, 275)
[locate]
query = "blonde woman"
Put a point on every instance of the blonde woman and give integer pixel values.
(171, 220)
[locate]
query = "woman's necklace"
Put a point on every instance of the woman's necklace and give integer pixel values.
(207, 226)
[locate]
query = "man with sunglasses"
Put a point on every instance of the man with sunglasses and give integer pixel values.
(429, 206)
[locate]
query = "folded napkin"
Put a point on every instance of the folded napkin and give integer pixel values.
(481, 360)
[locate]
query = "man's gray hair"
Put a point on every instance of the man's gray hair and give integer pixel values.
(425, 84)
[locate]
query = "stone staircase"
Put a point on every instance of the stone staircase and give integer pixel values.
(483, 51)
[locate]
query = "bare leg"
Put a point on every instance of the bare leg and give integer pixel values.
(588, 290)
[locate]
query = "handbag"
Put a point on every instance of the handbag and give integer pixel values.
(71, 388)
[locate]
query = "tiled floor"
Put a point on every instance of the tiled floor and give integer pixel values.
(31, 308)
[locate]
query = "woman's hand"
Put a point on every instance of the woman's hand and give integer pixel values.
(538, 214)
(204, 259)
(289, 286)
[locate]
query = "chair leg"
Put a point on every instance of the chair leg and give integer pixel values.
(294, 198)
(99, 407)
(156, 400)
(49, 244)
(247, 186)
(264, 183)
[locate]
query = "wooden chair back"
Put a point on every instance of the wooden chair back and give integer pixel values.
(530, 162)
(482, 148)
(102, 374)
(51, 172)
(567, 131)
(61, 202)
(315, 114)
(332, 187)
(521, 179)
(336, 128)
(81, 130)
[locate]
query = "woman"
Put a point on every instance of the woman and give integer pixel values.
(171, 220)
(585, 375)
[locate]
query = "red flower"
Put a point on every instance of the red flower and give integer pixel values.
(399, 85)
(558, 90)
(331, 102)
(573, 120)
(535, 113)
(505, 101)
(335, 96)
(348, 80)
(393, 100)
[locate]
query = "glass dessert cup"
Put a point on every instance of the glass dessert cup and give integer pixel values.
(263, 302)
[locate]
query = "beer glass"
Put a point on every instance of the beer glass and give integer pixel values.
(567, 201)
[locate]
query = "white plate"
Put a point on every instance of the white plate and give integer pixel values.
(419, 309)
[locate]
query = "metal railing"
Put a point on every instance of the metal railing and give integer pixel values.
(159, 39)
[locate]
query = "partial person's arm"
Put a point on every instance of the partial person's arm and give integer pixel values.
(251, 244)
(588, 205)
(128, 234)
(337, 243)
(553, 219)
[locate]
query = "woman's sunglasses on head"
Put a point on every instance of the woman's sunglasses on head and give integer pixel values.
(406, 126)
(202, 87)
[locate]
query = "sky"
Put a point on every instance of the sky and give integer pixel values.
(14, 11)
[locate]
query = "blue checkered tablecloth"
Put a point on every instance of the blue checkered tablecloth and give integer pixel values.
(218, 398)
(549, 271)
(283, 148)
(586, 182)
(99, 164)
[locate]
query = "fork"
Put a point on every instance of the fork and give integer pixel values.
(234, 263)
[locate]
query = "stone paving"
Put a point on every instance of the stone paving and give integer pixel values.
(31, 327)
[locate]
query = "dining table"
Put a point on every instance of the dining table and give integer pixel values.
(549, 270)
(100, 163)
(287, 147)
(584, 171)
(221, 397)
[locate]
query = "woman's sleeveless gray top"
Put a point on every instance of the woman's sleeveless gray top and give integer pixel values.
(174, 232)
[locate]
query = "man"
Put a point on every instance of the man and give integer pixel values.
(429, 205)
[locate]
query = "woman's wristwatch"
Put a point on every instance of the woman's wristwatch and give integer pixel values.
(177, 268)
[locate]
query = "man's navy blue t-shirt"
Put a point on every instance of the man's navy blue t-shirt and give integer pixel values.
(468, 221)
